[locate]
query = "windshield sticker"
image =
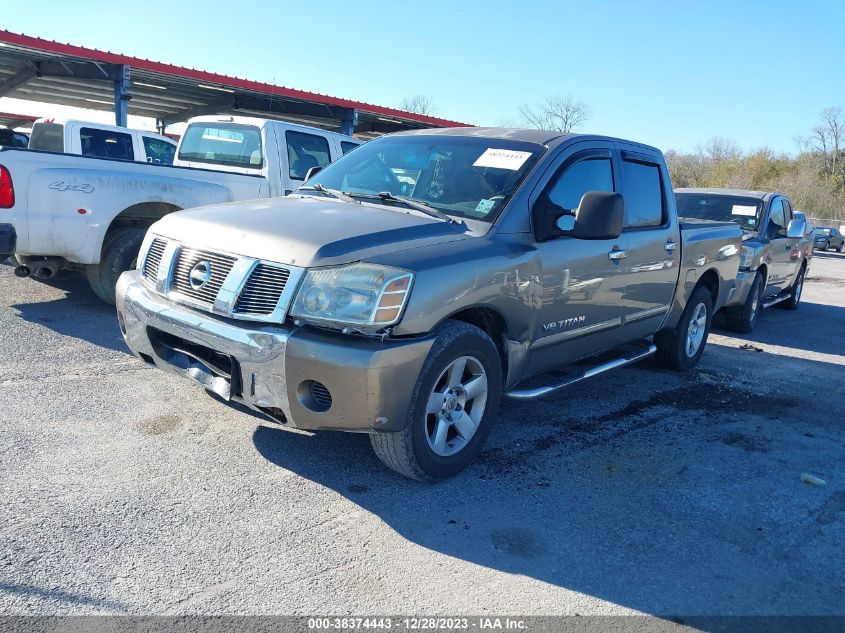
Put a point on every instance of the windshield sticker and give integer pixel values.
(502, 159)
(485, 206)
(740, 209)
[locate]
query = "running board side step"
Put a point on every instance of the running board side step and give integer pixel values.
(776, 299)
(627, 359)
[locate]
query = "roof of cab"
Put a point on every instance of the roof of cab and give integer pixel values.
(539, 137)
(261, 123)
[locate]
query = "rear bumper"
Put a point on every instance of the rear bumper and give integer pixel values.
(8, 241)
(371, 382)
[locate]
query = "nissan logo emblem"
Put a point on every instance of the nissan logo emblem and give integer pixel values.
(200, 274)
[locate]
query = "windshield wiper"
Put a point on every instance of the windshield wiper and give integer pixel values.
(419, 206)
(332, 192)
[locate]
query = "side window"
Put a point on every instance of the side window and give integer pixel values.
(643, 194)
(777, 218)
(592, 174)
(306, 151)
(158, 151)
(106, 144)
(346, 146)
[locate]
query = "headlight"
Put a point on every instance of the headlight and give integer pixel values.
(357, 294)
(747, 257)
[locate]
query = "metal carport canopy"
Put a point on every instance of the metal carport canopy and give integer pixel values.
(43, 70)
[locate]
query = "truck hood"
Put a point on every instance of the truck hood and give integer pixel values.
(306, 230)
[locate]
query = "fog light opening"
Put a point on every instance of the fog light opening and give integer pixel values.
(314, 396)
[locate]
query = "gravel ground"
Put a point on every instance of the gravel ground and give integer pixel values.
(126, 490)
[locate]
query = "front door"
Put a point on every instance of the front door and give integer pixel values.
(781, 259)
(582, 281)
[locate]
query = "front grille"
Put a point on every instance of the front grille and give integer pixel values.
(186, 259)
(262, 290)
(153, 260)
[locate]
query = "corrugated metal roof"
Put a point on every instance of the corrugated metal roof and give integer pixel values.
(54, 72)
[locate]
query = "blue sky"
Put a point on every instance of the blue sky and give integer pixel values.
(668, 74)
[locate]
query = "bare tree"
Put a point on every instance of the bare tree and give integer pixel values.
(561, 113)
(418, 104)
(827, 139)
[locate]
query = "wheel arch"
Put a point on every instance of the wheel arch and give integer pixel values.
(491, 321)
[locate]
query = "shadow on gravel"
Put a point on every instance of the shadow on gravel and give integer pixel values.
(813, 327)
(66, 598)
(79, 314)
(666, 505)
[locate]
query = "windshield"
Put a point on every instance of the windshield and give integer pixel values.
(822, 231)
(222, 144)
(460, 176)
(707, 206)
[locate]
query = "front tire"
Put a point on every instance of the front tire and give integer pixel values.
(681, 348)
(120, 253)
(742, 318)
(452, 410)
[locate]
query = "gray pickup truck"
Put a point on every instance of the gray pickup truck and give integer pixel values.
(403, 290)
(776, 248)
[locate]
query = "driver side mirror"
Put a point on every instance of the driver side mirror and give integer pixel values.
(599, 216)
(312, 171)
(796, 229)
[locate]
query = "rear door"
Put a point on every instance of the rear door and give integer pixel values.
(780, 258)
(654, 249)
(582, 281)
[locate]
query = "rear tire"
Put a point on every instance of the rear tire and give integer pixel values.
(120, 253)
(839, 248)
(795, 292)
(742, 318)
(452, 410)
(681, 348)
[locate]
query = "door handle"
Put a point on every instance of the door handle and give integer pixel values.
(671, 246)
(617, 255)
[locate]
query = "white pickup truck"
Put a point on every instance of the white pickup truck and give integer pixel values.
(72, 136)
(68, 212)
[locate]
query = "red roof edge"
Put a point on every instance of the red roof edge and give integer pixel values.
(92, 54)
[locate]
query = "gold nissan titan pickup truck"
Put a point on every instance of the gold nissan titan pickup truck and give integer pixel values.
(403, 290)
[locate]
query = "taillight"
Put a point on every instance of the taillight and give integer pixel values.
(7, 189)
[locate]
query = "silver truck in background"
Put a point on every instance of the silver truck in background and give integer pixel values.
(776, 248)
(66, 212)
(406, 288)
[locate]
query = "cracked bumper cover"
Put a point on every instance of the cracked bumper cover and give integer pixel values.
(371, 382)
(8, 241)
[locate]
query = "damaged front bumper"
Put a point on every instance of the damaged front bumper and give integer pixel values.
(310, 379)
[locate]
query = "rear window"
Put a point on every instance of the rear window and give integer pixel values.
(223, 144)
(106, 144)
(158, 150)
(49, 137)
(346, 146)
(306, 151)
